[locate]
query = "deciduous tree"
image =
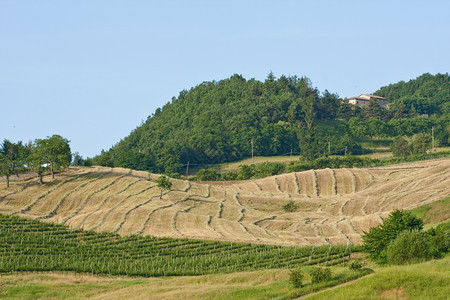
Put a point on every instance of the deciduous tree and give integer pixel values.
(11, 161)
(57, 152)
(164, 184)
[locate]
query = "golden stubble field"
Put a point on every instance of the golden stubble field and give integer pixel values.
(334, 205)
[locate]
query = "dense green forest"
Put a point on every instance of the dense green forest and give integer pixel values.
(426, 94)
(226, 120)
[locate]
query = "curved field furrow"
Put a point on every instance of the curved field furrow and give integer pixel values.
(364, 207)
(107, 223)
(305, 180)
(220, 211)
(22, 196)
(128, 212)
(251, 187)
(146, 223)
(301, 240)
(46, 205)
(200, 190)
(339, 230)
(277, 184)
(315, 185)
(353, 207)
(324, 182)
(160, 221)
(180, 185)
(332, 206)
(43, 195)
(353, 179)
(196, 226)
(415, 189)
(7, 194)
(261, 234)
(268, 185)
(136, 218)
(420, 194)
(67, 195)
(333, 183)
(296, 184)
(90, 205)
(343, 181)
(217, 192)
(175, 215)
(232, 230)
(211, 224)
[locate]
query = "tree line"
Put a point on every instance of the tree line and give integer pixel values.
(50, 154)
(228, 120)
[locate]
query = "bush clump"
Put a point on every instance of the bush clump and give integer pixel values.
(400, 240)
(409, 247)
(296, 278)
(320, 275)
(291, 206)
(355, 265)
(376, 241)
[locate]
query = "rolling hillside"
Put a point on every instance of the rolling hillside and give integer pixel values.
(335, 206)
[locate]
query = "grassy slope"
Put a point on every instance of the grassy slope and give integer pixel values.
(406, 282)
(429, 280)
(434, 213)
(266, 284)
(67, 286)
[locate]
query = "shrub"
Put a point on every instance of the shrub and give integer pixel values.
(320, 275)
(421, 142)
(409, 247)
(400, 147)
(230, 175)
(269, 168)
(291, 206)
(208, 175)
(355, 265)
(439, 239)
(296, 278)
(376, 241)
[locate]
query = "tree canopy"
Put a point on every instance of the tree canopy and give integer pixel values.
(222, 121)
(12, 159)
(427, 94)
(216, 122)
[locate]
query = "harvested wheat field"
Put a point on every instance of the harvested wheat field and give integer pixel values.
(334, 206)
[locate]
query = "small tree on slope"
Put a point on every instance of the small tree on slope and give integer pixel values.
(164, 184)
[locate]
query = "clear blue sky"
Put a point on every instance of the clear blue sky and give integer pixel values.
(93, 70)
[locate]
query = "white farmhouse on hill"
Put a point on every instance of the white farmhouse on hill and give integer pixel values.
(364, 99)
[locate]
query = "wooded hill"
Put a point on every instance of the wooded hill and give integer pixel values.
(427, 94)
(222, 121)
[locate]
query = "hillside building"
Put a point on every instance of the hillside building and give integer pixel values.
(364, 99)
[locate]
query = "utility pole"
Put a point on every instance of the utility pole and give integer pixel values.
(432, 137)
(187, 169)
(291, 152)
(252, 153)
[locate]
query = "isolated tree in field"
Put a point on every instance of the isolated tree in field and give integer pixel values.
(58, 152)
(164, 184)
(10, 159)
